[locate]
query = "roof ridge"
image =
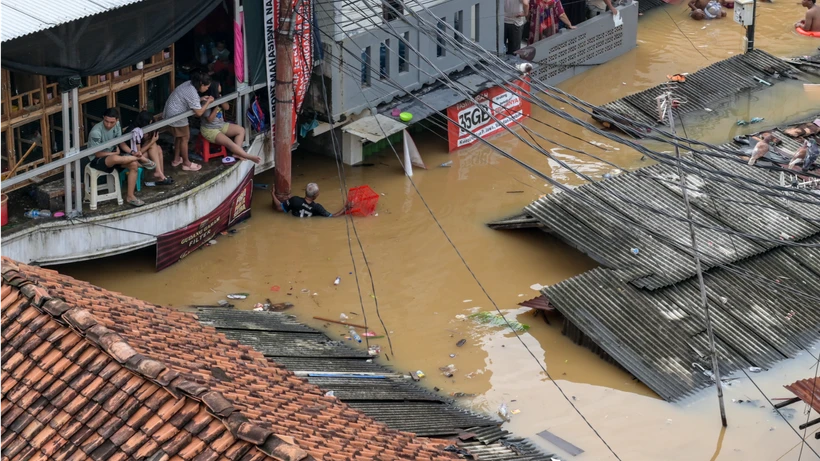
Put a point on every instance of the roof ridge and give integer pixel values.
(85, 324)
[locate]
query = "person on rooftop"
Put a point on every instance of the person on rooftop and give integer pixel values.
(184, 98)
(544, 18)
(111, 159)
(305, 207)
(712, 10)
(811, 23)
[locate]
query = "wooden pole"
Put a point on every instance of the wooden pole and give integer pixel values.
(283, 127)
(703, 297)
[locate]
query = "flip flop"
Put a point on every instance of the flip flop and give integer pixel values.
(136, 203)
(164, 182)
(175, 163)
(150, 165)
(193, 167)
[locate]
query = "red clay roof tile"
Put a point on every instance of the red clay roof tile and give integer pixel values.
(169, 403)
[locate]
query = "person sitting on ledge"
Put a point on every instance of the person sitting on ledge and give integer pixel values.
(811, 23)
(147, 146)
(215, 129)
(305, 207)
(712, 10)
(110, 160)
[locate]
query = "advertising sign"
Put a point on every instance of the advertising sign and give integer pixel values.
(497, 108)
(175, 245)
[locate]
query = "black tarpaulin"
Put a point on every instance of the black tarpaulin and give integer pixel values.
(255, 41)
(105, 42)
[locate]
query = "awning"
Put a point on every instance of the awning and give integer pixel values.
(374, 128)
(92, 37)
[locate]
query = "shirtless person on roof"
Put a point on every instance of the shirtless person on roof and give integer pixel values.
(812, 21)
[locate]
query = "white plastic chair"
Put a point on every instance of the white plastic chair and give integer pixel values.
(95, 193)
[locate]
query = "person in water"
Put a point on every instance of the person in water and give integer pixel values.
(711, 10)
(305, 207)
(811, 23)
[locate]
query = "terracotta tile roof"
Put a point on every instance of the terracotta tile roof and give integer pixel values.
(87, 373)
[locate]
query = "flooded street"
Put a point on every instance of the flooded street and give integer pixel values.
(422, 284)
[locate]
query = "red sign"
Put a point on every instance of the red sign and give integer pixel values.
(175, 245)
(498, 108)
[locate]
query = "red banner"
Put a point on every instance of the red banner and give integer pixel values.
(507, 105)
(175, 245)
(302, 55)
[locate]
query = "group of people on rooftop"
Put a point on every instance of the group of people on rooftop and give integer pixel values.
(716, 9)
(143, 150)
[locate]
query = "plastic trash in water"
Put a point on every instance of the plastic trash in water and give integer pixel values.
(607, 175)
(222, 302)
(420, 374)
(461, 342)
(355, 335)
(635, 251)
(342, 317)
(337, 281)
(330, 394)
(755, 369)
(374, 350)
(503, 412)
(447, 164)
(237, 295)
(756, 120)
(742, 122)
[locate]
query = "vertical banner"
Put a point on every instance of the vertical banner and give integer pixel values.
(270, 54)
(505, 104)
(302, 55)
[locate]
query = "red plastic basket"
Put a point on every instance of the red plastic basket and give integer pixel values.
(362, 201)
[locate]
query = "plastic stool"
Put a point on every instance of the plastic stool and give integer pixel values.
(123, 178)
(95, 193)
(204, 146)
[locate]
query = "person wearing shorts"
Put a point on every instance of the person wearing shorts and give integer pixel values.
(215, 129)
(109, 161)
(184, 98)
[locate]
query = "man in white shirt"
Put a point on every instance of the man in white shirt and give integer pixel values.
(515, 16)
(598, 7)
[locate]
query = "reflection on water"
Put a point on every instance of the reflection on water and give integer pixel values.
(422, 284)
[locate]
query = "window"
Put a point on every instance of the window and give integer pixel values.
(442, 24)
(6, 153)
(26, 136)
(157, 91)
(404, 55)
(474, 21)
(392, 9)
(384, 60)
(458, 25)
(127, 103)
(366, 66)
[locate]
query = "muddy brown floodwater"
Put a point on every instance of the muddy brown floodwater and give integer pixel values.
(422, 284)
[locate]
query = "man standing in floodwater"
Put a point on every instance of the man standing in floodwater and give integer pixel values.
(812, 21)
(305, 207)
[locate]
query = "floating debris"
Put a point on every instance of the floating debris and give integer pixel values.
(461, 342)
(498, 320)
(238, 295)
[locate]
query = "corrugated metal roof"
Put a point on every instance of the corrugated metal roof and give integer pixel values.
(717, 81)
(23, 17)
(763, 310)
(539, 302)
(808, 390)
(378, 391)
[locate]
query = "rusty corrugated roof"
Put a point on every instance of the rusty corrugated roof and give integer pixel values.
(540, 303)
(808, 390)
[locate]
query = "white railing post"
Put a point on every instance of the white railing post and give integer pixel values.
(66, 153)
(75, 147)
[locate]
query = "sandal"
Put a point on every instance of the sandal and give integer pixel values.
(164, 182)
(149, 165)
(136, 203)
(193, 167)
(176, 163)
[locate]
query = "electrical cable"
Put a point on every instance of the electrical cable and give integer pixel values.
(486, 293)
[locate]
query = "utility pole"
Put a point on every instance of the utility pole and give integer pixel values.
(703, 297)
(283, 125)
(750, 29)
